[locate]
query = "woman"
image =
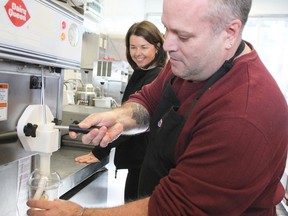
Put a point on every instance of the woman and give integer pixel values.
(145, 54)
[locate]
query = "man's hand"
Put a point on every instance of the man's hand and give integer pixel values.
(53, 208)
(110, 129)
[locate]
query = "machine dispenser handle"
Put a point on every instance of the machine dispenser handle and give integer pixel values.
(76, 128)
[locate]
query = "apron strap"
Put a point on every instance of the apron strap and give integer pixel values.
(228, 64)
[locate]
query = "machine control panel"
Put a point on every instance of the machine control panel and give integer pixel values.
(41, 32)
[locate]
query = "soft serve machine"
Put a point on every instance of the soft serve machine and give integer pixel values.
(38, 40)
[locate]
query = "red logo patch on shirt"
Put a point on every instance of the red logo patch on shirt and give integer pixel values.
(17, 12)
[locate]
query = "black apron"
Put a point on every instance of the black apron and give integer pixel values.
(165, 127)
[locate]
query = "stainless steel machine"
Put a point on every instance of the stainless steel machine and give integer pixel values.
(38, 40)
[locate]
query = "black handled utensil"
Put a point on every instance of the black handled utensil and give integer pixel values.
(76, 128)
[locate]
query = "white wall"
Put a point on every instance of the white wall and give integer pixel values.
(120, 15)
(259, 7)
(265, 7)
(153, 6)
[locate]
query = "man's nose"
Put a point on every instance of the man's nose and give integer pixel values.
(169, 43)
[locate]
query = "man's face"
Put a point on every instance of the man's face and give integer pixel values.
(195, 51)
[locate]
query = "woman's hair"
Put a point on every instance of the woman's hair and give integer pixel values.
(151, 34)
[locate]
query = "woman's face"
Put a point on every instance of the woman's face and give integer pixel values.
(141, 51)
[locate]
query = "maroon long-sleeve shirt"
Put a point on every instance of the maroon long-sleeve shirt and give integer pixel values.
(232, 150)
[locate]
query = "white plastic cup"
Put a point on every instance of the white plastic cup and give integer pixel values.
(44, 187)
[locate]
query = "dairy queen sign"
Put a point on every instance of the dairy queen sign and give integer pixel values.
(17, 12)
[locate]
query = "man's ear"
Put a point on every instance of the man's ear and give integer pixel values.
(233, 31)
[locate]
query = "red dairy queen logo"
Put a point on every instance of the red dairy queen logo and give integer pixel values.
(17, 12)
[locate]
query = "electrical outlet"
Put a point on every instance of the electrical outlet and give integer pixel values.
(35, 82)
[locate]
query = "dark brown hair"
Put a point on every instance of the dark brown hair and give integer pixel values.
(150, 33)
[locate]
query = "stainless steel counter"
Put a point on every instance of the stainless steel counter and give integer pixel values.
(93, 192)
(72, 173)
(16, 165)
(83, 109)
(13, 151)
(62, 161)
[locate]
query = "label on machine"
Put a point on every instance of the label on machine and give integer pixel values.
(3, 101)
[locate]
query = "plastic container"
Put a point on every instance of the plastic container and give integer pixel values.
(44, 187)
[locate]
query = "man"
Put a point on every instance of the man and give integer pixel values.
(217, 119)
